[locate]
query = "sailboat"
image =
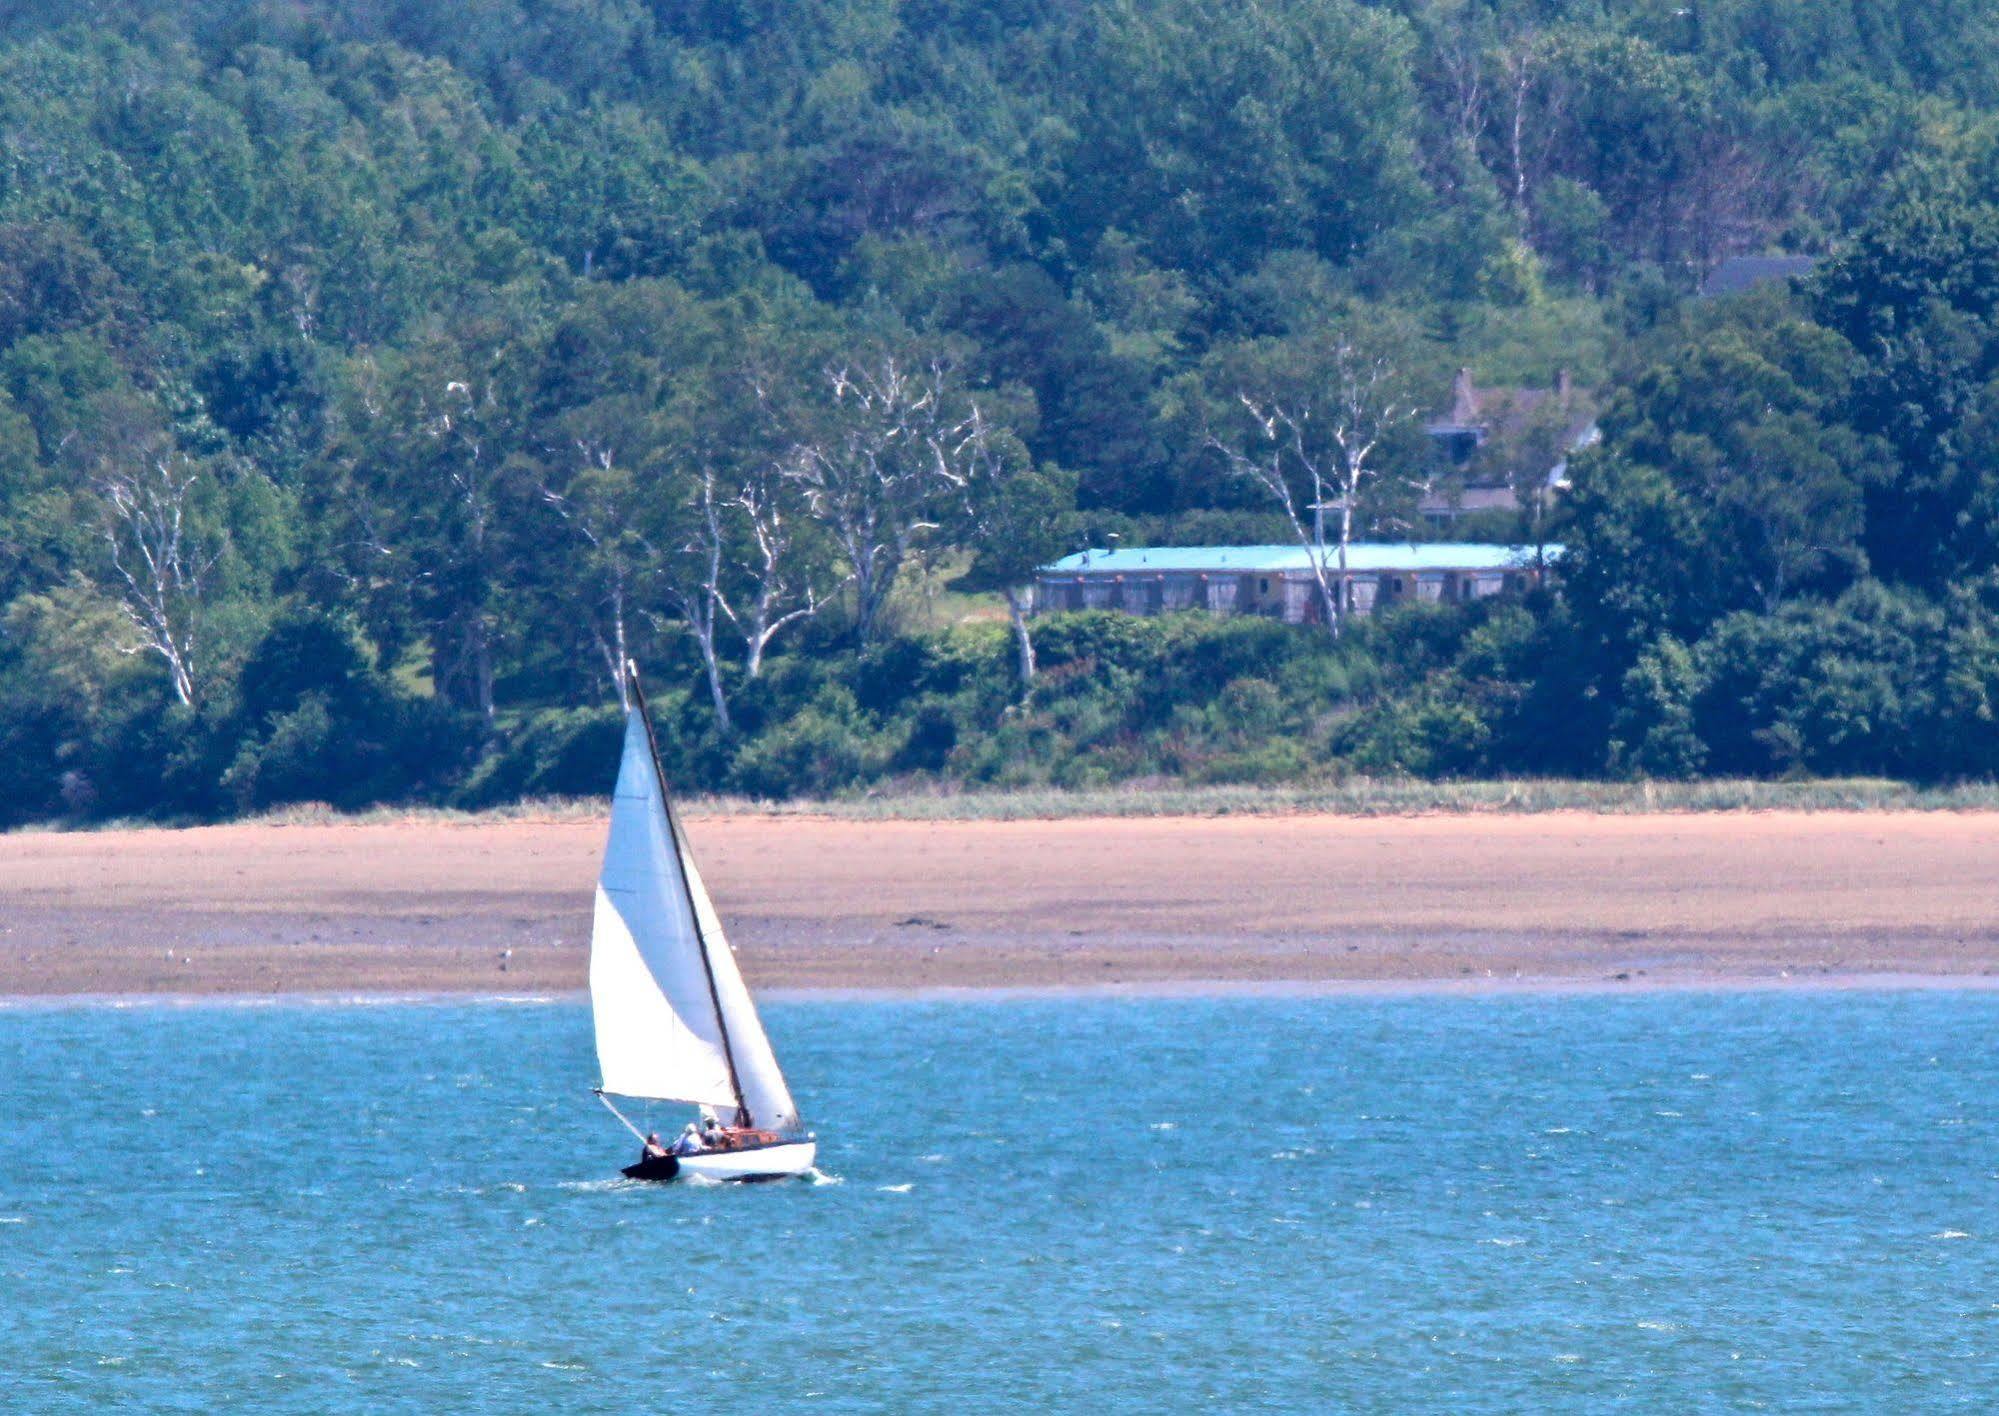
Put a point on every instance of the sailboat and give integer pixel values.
(673, 1017)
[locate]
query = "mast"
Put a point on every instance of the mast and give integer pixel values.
(686, 891)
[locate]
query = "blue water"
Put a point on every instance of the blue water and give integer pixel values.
(1672, 1202)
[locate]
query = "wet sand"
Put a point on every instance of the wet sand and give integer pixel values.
(1558, 899)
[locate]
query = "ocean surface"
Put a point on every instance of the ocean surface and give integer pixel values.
(1669, 1202)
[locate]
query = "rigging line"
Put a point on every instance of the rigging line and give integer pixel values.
(687, 891)
(619, 1114)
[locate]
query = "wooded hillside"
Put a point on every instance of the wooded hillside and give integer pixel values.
(374, 376)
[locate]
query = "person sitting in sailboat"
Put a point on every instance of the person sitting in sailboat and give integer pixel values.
(712, 1135)
(689, 1141)
(654, 1150)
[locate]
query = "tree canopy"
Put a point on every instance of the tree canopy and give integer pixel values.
(375, 378)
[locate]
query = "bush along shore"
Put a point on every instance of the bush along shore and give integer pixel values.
(1419, 711)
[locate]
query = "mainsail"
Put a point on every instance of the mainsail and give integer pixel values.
(674, 1020)
(763, 1089)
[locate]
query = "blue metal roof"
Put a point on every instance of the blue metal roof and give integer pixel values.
(1368, 556)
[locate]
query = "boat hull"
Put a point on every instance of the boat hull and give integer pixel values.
(653, 1167)
(754, 1163)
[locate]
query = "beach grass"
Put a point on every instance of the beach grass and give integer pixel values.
(1357, 796)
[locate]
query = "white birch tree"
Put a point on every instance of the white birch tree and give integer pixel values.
(1306, 420)
(161, 554)
(782, 583)
(893, 443)
(691, 578)
(619, 561)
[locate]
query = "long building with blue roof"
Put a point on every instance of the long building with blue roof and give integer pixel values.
(1279, 581)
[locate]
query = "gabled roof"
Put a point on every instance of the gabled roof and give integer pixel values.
(1364, 556)
(1479, 413)
(1477, 409)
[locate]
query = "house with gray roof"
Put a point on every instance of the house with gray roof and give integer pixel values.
(1492, 444)
(1279, 581)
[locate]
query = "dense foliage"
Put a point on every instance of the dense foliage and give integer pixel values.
(375, 376)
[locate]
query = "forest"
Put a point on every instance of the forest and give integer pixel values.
(375, 377)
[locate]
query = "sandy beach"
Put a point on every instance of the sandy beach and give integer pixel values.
(426, 905)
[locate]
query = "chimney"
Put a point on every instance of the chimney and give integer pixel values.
(1464, 399)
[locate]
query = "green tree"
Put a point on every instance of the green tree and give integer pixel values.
(1748, 421)
(1218, 133)
(1653, 734)
(1017, 518)
(1917, 293)
(437, 461)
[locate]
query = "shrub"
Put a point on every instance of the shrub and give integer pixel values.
(1437, 735)
(1842, 689)
(826, 747)
(1282, 760)
(1251, 705)
(932, 735)
(1091, 637)
(300, 758)
(316, 720)
(305, 654)
(552, 752)
(1654, 729)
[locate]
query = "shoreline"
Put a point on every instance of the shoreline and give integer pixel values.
(1470, 990)
(1304, 902)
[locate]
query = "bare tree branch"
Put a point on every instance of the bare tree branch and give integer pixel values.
(162, 562)
(898, 442)
(620, 558)
(692, 580)
(1312, 446)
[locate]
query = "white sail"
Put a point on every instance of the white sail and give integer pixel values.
(658, 1032)
(764, 1092)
